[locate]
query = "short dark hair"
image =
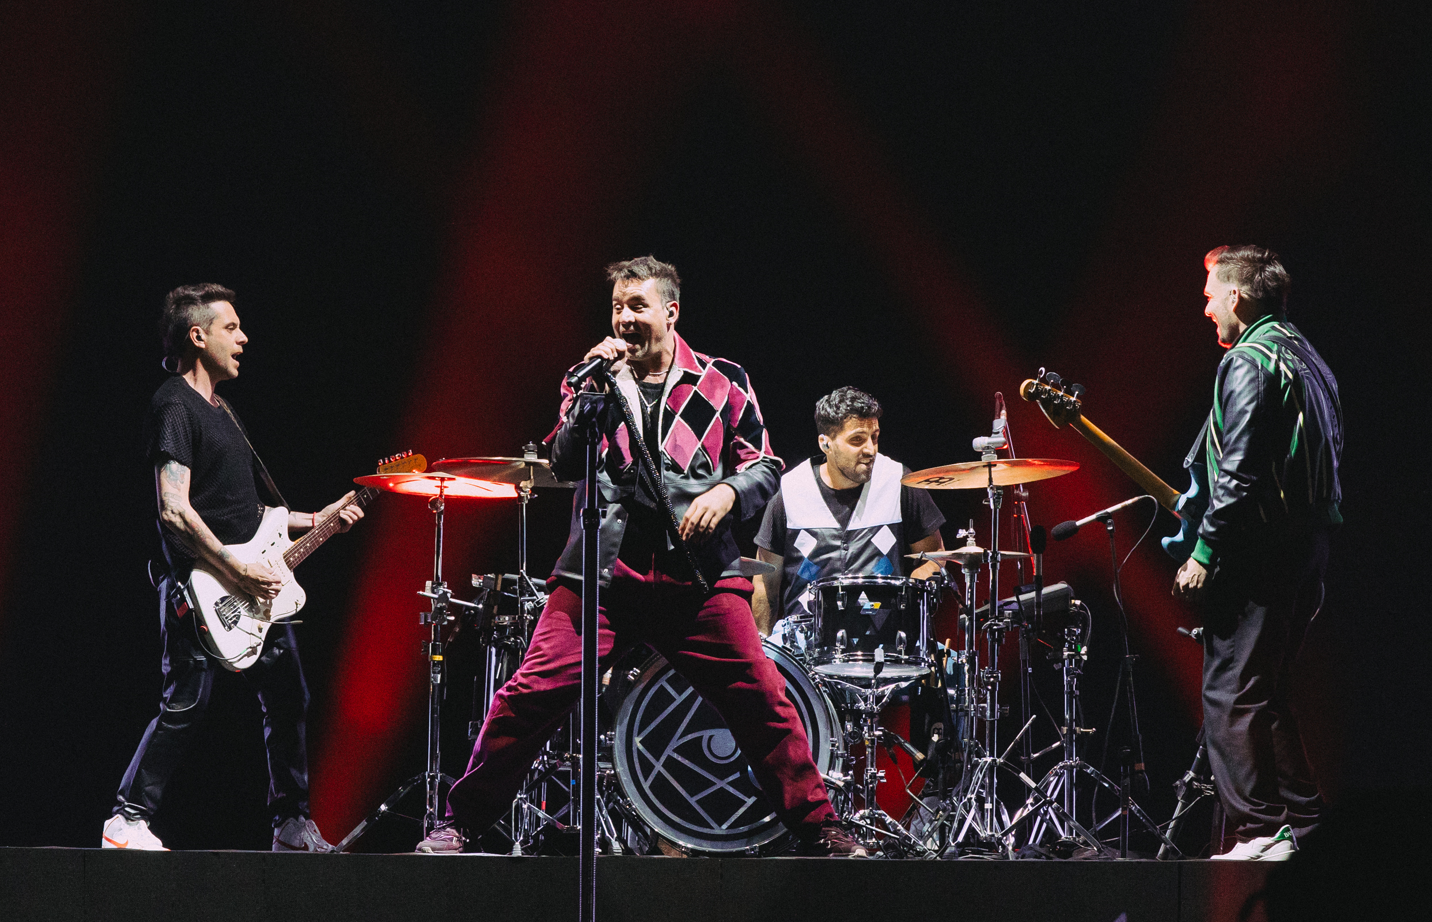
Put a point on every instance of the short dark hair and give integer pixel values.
(187, 307)
(832, 410)
(648, 267)
(1255, 272)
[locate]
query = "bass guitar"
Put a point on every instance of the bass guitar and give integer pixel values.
(1064, 406)
(231, 623)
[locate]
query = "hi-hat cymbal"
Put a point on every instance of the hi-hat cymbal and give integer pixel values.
(976, 475)
(750, 567)
(537, 471)
(450, 486)
(964, 554)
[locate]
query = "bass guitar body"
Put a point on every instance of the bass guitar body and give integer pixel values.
(1189, 508)
(232, 625)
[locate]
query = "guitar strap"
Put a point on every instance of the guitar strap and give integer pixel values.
(263, 470)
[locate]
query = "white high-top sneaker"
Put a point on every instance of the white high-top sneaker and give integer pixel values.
(122, 832)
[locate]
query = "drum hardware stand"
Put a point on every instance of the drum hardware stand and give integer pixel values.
(1196, 783)
(1053, 802)
(871, 821)
(436, 618)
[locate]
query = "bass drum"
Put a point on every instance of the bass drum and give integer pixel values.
(682, 770)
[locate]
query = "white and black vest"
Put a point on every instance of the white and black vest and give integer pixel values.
(817, 547)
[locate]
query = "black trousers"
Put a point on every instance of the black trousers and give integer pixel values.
(277, 677)
(1257, 613)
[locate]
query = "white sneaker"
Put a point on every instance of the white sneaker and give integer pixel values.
(1278, 847)
(123, 832)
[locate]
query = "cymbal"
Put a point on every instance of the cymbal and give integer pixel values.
(963, 554)
(750, 567)
(537, 471)
(430, 484)
(976, 475)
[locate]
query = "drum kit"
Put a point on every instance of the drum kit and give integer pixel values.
(671, 777)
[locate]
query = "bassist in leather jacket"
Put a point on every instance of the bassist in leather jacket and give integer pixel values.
(1272, 445)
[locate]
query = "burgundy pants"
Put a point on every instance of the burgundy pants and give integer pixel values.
(713, 642)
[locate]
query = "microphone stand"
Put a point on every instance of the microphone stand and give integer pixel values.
(1132, 756)
(591, 413)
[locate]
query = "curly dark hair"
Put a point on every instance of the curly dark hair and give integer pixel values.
(648, 267)
(1257, 274)
(832, 410)
(186, 307)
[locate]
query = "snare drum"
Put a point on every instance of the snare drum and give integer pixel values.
(855, 616)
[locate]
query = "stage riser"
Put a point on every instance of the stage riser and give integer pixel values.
(78, 885)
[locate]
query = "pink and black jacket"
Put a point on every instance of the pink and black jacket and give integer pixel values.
(711, 432)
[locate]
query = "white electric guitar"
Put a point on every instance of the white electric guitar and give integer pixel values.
(231, 623)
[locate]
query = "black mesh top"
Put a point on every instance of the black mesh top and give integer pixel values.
(184, 427)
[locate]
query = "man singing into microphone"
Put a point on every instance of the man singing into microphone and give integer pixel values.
(1272, 444)
(702, 425)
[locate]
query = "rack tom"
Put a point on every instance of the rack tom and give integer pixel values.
(873, 628)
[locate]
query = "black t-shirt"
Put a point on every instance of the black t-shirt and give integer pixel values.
(919, 516)
(184, 427)
(645, 536)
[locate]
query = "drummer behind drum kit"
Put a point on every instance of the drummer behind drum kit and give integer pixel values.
(671, 778)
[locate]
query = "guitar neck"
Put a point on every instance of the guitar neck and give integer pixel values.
(1166, 495)
(324, 530)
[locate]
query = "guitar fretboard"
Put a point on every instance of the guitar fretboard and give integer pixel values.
(324, 530)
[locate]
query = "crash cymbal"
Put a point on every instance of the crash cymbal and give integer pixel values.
(976, 475)
(430, 484)
(504, 470)
(962, 554)
(750, 567)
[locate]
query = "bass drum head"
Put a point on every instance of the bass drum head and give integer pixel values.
(682, 770)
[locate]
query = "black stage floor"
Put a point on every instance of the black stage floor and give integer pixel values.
(93, 885)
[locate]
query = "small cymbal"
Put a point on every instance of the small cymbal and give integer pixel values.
(750, 567)
(431, 484)
(963, 554)
(976, 475)
(537, 471)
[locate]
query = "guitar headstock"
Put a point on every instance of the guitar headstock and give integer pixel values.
(1060, 402)
(405, 463)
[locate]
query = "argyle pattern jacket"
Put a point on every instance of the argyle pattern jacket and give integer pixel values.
(711, 432)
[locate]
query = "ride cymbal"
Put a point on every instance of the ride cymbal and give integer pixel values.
(976, 475)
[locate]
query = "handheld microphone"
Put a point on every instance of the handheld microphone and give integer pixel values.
(1067, 529)
(593, 366)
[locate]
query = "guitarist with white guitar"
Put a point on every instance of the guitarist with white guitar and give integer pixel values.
(208, 498)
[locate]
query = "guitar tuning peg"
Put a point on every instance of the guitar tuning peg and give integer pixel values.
(1054, 380)
(1076, 391)
(1042, 373)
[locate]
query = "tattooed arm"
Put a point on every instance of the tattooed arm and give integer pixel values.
(171, 483)
(300, 522)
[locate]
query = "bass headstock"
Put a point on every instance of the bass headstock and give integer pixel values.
(1062, 403)
(403, 463)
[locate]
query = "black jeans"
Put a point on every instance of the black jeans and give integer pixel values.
(1258, 610)
(277, 677)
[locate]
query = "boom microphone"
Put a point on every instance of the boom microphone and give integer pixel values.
(1067, 529)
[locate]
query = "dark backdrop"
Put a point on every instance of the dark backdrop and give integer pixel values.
(414, 202)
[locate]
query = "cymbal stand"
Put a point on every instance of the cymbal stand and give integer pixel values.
(505, 652)
(436, 618)
(976, 811)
